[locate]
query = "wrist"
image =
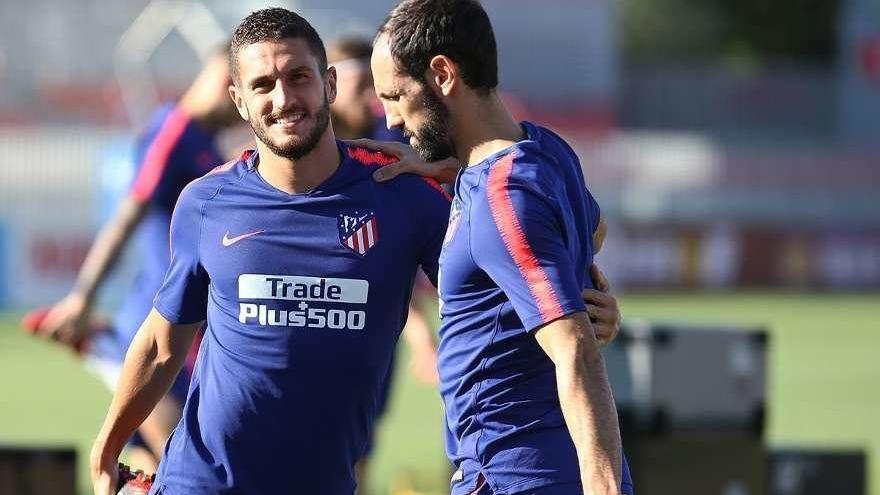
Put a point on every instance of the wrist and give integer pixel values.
(84, 295)
(104, 450)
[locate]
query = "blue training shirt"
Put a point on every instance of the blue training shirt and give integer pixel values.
(305, 296)
(516, 255)
(171, 152)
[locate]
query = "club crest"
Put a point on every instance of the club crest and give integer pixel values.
(454, 219)
(358, 230)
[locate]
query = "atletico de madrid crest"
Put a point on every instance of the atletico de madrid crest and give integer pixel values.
(358, 230)
(454, 219)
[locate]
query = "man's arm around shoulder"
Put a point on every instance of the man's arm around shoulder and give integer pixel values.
(156, 355)
(586, 400)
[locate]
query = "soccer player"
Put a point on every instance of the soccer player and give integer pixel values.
(302, 266)
(178, 146)
(528, 405)
(356, 113)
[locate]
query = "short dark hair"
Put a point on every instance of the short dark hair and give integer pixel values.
(274, 24)
(460, 29)
(347, 47)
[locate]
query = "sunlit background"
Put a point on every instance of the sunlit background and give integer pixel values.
(734, 146)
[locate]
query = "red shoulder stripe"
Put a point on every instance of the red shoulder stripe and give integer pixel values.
(157, 155)
(370, 157)
(436, 185)
(516, 242)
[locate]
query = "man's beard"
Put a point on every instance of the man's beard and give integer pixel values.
(301, 146)
(432, 141)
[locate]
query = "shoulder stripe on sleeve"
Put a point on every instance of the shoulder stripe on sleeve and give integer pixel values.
(516, 242)
(369, 157)
(436, 185)
(157, 155)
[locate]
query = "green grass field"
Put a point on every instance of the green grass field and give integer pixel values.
(823, 390)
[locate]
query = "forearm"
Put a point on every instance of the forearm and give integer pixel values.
(151, 365)
(591, 417)
(107, 247)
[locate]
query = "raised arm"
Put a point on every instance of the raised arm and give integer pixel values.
(155, 357)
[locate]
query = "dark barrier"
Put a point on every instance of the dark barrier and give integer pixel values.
(37, 471)
(691, 404)
(673, 379)
(811, 472)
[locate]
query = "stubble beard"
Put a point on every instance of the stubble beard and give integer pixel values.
(296, 148)
(432, 137)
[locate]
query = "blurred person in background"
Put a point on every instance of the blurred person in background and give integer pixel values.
(528, 404)
(356, 113)
(178, 145)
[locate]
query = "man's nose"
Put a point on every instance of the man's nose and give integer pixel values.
(392, 117)
(282, 96)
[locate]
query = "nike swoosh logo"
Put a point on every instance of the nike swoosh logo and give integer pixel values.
(228, 241)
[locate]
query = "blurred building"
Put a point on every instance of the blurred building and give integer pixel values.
(713, 175)
(77, 78)
(747, 174)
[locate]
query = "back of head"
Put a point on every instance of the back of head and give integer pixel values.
(274, 24)
(207, 99)
(353, 111)
(460, 29)
(349, 48)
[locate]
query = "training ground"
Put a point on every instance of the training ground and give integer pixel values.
(824, 384)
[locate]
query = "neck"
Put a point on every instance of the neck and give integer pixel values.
(303, 174)
(345, 131)
(485, 129)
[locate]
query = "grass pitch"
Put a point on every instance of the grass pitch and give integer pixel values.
(822, 391)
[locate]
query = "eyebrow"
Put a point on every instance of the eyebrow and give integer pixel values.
(267, 78)
(393, 94)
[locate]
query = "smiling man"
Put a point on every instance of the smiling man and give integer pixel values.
(303, 268)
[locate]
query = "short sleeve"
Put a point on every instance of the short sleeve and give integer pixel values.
(183, 297)
(437, 204)
(519, 241)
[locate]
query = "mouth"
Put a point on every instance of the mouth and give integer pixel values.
(288, 121)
